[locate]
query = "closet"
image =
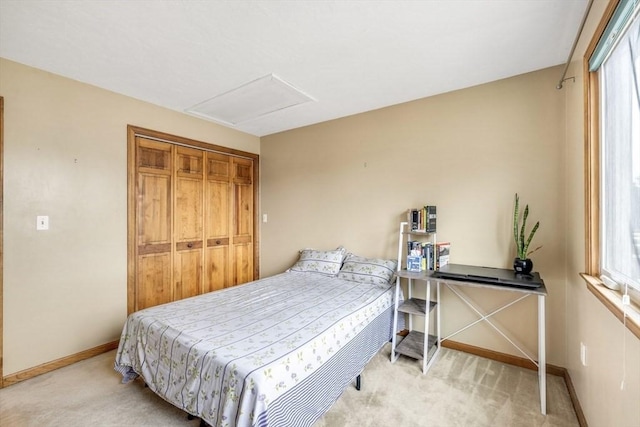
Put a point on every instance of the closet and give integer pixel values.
(191, 218)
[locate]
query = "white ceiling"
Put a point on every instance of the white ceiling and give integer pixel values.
(349, 56)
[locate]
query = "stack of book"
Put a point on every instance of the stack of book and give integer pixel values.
(423, 219)
(420, 256)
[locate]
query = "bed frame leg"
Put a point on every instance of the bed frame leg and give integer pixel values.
(358, 383)
(203, 423)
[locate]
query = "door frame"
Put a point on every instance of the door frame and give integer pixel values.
(135, 131)
(1, 239)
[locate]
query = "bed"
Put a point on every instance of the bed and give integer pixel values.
(277, 351)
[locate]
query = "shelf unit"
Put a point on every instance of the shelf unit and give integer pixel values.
(418, 345)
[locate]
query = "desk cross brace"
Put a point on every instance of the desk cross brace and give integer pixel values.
(485, 317)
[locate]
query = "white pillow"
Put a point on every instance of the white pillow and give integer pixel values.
(323, 262)
(367, 270)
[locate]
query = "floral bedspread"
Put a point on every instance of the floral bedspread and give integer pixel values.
(225, 356)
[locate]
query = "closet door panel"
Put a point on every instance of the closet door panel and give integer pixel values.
(189, 203)
(242, 214)
(218, 167)
(242, 170)
(155, 209)
(217, 275)
(154, 280)
(243, 211)
(154, 198)
(188, 230)
(153, 156)
(188, 273)
(242, 263)
(153, 164)
(218, 196)
(243, 197)
(189, 210)
(217, 225)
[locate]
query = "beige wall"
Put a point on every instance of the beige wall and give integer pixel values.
(65, 156)
(349, 182)
(611, 348)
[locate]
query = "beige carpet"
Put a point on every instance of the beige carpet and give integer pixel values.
(459, 390)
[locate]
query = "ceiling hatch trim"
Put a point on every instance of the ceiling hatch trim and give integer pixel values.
(249, 101)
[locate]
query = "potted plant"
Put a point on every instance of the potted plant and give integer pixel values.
(522, 263)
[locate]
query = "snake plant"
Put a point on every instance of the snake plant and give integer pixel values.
(522, 245)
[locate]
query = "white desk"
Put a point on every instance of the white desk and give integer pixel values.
(521, 294)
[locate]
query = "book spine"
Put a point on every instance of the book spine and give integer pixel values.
(415, 219)
(429, 256)
(430, 213)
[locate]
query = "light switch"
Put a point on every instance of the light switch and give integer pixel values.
(42, 222)
(264, 217)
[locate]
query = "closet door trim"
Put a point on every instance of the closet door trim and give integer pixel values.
(132, 133)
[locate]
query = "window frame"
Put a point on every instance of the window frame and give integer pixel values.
(611, 299)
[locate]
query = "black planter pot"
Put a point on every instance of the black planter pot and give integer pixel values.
(522, 266)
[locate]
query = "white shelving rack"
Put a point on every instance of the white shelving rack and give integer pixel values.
(424, 346)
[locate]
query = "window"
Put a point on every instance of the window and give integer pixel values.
(612, 71)
(620, 159)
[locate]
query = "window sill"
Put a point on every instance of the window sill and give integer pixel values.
(613, 301)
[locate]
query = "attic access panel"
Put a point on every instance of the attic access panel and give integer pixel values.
(249, 101)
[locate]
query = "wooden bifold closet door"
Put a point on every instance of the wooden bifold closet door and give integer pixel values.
(192, 221)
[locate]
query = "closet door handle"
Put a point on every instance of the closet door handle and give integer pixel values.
(189, 245)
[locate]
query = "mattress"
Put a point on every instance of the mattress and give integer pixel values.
(276, 351)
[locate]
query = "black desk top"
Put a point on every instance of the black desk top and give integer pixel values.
(429, 275)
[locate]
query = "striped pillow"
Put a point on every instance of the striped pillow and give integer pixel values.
(323, 262)
(367, 270)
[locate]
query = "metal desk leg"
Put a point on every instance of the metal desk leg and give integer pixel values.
(542, 363)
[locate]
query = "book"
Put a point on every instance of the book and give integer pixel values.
(442, 253)
(430, 219)
(414, 219)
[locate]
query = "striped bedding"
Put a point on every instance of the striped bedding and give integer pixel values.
(274, 352)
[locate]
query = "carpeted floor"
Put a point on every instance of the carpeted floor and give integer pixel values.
(459, 390)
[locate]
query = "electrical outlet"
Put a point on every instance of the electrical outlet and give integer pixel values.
(583, 354)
